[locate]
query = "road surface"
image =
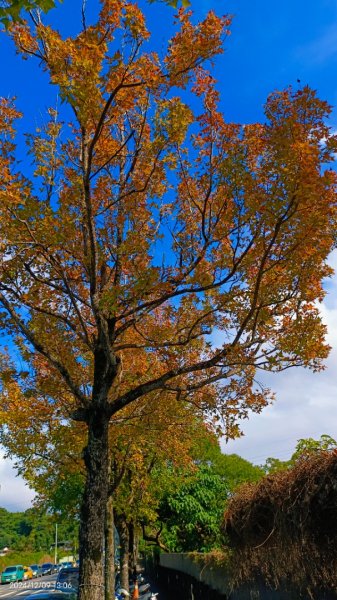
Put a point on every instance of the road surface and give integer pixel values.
(18, 591)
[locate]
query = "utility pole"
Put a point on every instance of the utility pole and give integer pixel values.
(55, 555)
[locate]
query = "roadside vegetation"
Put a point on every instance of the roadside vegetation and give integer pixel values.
(279, 517)
(283, 529)
(34, 531)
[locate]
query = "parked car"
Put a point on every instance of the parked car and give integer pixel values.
(47, 568)
(13, 573)
(67, 580)
(36, 569)
(67, 565)
(28, 573)
(58, 567)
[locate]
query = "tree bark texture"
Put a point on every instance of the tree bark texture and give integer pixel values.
(133, 544)
(109, 561)
(91, 581)
(123, 531)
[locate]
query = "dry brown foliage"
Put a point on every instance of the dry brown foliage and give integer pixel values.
(284, 529)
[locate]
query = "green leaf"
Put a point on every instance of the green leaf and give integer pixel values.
(12, 12)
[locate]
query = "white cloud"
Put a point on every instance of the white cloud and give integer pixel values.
(305, 403)
(15, 495)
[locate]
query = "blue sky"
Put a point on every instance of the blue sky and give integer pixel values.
(272, 45)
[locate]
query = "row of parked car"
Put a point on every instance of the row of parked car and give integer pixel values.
(67, 581)
(21, 573)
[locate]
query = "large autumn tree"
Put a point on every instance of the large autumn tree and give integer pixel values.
(36, 431)
(148, 228)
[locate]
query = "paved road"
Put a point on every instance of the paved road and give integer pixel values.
(18, 591)
(163, 594)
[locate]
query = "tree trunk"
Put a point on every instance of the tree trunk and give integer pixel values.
(136, 547)
(91, 583)
(109, 566)
(123, 531)
(133, 549)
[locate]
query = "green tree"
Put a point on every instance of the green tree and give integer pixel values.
(232, 467)
(273, 465)
(305, 447)
(192, 515)
(193, 503)
(308, 446)
(237, 470)
(33, 530)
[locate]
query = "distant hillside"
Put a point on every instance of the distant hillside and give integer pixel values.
(34, 530)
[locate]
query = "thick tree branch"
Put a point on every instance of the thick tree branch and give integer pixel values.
(39, 347)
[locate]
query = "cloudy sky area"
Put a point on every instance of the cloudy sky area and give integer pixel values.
(305, 404)
(272, 45)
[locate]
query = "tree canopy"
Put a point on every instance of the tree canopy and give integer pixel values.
(192, 514)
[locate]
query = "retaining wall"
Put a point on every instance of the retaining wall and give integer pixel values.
(190, 577)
